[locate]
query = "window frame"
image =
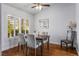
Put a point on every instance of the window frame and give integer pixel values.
(19, 25)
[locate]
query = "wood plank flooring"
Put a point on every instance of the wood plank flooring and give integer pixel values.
(54, 50)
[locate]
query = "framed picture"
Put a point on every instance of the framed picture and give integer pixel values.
(44, 23)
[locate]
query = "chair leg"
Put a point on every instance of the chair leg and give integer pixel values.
(35, 52)
(18, 49)
(27, 53)
(72, 46)
(61, 44)
(48, 44)
(41, 51)
(66, 46)
(24, 50)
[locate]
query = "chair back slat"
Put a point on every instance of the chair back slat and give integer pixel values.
(30, 40)
(71, 35)
(21, 39)
(68, 36)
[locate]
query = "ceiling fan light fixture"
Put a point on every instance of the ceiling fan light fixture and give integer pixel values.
(36, 7)
(39, 7)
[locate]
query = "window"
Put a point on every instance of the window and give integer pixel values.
(24, 26)
(27, 28)
(10, 27)
(16, 25)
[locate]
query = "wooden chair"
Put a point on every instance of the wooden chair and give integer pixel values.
(67, 41)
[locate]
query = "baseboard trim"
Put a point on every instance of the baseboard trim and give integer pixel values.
(0, 53)
(77, 52)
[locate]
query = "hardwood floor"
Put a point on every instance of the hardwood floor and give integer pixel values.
(54, 50)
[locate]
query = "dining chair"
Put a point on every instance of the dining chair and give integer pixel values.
(32, 42)
(45, 35)
(68, 41)
(22, 44)
(46, 38)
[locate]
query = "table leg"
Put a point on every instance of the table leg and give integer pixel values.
(48, 44)
(42, 48)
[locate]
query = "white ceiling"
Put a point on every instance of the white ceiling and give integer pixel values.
(26, 7)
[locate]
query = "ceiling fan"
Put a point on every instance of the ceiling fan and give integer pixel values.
(40, 5)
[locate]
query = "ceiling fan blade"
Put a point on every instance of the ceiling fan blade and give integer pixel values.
(33, 6)
(45, 5)
(40, 4)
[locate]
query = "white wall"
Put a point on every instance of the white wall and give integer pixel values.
(8, 10)
(58, 16)
(77, 19)
(0, 28)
